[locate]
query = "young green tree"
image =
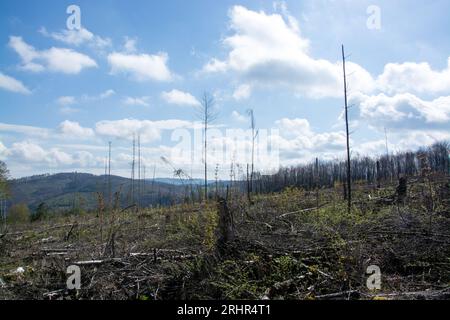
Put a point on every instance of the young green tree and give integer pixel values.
(41, 212)
(18, 214)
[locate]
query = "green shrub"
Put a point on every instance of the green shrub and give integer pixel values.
(41, 213)
(18, 214)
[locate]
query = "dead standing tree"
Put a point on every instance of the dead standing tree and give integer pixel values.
(207, 115)
(133, 171)
(183, 176)
(139, 186)
(109, 176)
(349, 176)
(255, 133)
(4, 192)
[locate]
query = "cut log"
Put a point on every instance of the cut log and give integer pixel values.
(91, 262)
(347, 294)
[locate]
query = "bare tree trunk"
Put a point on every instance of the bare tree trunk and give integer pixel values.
(316, 178)
(345, 191)
(206, 154)
(139, 187)
(254, 136)
(133, 170)
(349, 177)
(207, 115)
(109, 177)
(378, 175)
(248, 186)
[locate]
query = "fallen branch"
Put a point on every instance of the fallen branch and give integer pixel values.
(338, 294)
(91, 262)
(57, 250)
(128, 208)
(52, 254)
(67, 237)
(426, 293)
(300, 211)
(52, 294)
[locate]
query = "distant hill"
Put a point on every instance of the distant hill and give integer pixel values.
(177, 181)
(66, 190)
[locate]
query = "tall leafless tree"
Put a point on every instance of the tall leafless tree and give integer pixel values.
(109, 176)
(255, 133)
(133, 167)
(349, 175)
(4, 192)
(139, 171)
(207, 114)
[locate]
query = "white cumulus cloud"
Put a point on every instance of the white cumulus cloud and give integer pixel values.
(268, 49)
(10, 84)
(141, 67)
(297, 138)
(66, 101)
(136, 101)
(78, 37)
(32, 153)
(403, 110)
(180, 98)
(242, 92)
(417, 78)
(75, 131)
(54, 59)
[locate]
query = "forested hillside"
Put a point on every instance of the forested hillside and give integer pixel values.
(66, 191)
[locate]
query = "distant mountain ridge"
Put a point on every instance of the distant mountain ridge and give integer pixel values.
(66, 190)
(177, 181)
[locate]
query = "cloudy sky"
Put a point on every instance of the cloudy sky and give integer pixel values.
(141, 68)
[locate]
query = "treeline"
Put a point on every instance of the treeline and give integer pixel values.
(320, 174)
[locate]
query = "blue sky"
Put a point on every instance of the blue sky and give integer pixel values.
(142, 66)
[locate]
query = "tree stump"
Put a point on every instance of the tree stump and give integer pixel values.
(402, 190)
(225, 228)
